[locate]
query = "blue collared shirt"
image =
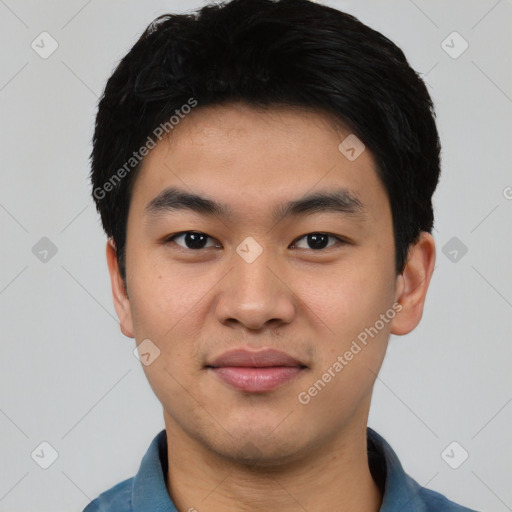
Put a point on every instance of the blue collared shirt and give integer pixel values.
(147, 492)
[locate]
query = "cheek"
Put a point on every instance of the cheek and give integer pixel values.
(348, 299)
(351, 351)
(164, 310)
(350, 302)
(164, 298)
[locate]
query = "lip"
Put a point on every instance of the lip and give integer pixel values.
(250, 359)
(254, 372)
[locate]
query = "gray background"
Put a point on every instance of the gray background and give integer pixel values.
(69, 377)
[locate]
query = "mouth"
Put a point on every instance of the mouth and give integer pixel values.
(256, 372)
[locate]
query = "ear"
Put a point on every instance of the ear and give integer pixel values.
(412, 284)
(119, 293)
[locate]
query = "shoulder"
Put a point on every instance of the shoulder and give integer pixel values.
(401, 491)
(435, 502)
(115, 499)
(146, 487)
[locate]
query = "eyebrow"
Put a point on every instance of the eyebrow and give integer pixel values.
(339, 200)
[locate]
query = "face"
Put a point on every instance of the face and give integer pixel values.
(270, 265)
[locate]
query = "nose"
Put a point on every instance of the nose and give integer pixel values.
(255, 294)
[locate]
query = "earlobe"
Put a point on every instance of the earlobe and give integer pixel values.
(119, 293)
(413, 283)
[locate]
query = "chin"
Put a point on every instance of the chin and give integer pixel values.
(253, 446)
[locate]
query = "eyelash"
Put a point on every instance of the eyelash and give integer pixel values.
(340, 240)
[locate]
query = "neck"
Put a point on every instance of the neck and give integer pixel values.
(334, 476)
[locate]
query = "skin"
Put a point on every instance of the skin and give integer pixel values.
(234, 451)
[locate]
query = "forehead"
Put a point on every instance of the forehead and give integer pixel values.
(253, 160)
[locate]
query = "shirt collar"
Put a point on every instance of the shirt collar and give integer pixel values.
(149, 491)
(401, 492)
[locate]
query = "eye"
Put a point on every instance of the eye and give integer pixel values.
(194, 240)
(317, 241)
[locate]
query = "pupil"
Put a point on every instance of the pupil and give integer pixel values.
(317, 241)
(192, 240)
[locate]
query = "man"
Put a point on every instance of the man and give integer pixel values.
(264, 172)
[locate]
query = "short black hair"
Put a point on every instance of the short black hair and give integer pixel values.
(270, 53)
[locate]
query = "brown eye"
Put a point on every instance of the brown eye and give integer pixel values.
(193, 240)
(317, 241)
